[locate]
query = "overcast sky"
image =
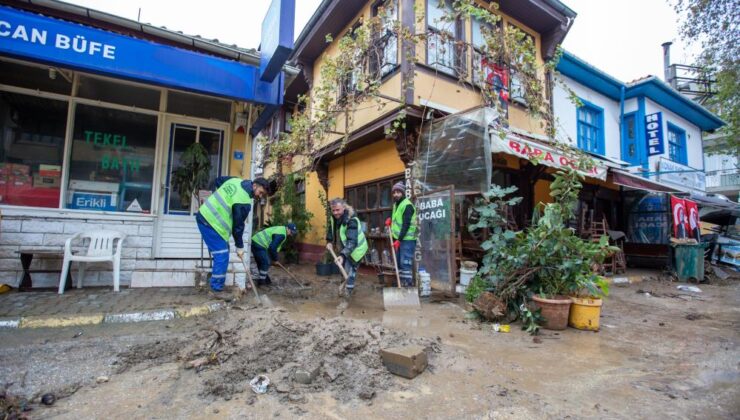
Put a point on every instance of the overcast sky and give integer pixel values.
(621, 37)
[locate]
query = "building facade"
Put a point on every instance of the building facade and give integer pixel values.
(95, 114)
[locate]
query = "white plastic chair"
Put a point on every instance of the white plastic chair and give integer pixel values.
(100, 248)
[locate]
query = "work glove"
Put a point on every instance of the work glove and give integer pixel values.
(396, 244)
(240, 252)
(388, 222)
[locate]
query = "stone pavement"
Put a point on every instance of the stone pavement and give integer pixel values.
(98, 305)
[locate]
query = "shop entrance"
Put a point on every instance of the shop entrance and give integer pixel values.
(177, 235)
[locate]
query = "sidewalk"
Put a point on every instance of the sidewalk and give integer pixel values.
(102, 305)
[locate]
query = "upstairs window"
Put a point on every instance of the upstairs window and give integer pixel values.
(677, 145)
(351, 79)
(442, 35)
(519, 64)
(384, 55)
(591, 128)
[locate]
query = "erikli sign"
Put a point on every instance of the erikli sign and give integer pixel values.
(654, 133)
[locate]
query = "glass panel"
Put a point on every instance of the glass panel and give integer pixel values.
(437, 12)
(372, 196)
(112, 164)
(375, 222)
(211, 140)
(361, 198)
(182, 137)
(49, 79)
(198, 106)
(385, 194)
(631, 127)
(117, 93)
(352, 197)
(32, 131)
(441, 52)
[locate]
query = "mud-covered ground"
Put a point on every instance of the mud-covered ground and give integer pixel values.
(661, 353)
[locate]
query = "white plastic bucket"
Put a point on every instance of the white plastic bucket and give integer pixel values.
(466, 275)
(426, 284)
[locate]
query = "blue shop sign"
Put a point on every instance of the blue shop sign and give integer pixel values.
(654, 133)
(277, 38)
(49, 40)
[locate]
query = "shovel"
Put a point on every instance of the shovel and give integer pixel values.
(302, 287)
(341, 268)
(261, 300)
(399, 297)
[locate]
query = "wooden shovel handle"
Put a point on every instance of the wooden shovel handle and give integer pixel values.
(336, 261)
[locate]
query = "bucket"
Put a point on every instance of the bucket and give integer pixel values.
(466, 275)
(585, 313)
(426, 284)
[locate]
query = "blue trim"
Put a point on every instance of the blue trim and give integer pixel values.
(642, 135)
(599, 114)
(55, 41)
(683, 157)
(652, 87)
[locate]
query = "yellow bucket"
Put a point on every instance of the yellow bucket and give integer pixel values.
(584, 313)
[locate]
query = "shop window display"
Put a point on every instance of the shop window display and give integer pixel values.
(32, 135)
(112, 160)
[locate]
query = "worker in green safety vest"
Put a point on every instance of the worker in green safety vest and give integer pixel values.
(403, 231)
(222, 216)
(265, 247)
(347, 227)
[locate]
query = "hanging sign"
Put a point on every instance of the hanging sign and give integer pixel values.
(546, 155)
(654, 133)
(277, 38)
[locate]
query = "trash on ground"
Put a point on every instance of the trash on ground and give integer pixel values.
(504, 328)
(48, 399)
(407, 361)
(102, 379)
(259, 384)
(686, 288)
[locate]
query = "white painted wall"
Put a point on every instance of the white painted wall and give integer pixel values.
(565, 113)
(694, 146)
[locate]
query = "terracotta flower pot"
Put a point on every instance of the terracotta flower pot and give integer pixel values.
(555, 311)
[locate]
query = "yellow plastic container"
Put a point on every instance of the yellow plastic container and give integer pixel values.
(585, 313)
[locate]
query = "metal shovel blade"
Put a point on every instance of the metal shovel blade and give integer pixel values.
(401, 298)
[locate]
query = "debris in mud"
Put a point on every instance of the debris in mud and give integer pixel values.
(490, 307)
(408, 361)
(340, 356)
(48, 399)
(693, 316)
(102, 379)
(12, 407)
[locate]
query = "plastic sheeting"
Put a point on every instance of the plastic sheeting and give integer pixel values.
(436, 213)
(456, 150)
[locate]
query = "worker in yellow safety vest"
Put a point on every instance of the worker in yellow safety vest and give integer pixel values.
(347, 227)
(265, 247)
(402, 225)
(223, 215)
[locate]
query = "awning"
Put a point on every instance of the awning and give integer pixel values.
(546, 155)
(626, 179)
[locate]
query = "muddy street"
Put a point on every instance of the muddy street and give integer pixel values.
(661, 353)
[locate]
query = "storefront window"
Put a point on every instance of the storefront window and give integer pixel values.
(32, 146)
(117, 93)
(112, 161)
(36, 77)
(198, 106)
(373, 202)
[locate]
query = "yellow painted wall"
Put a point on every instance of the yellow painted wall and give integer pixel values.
(240, 168)
(313, 204)
(377, 160)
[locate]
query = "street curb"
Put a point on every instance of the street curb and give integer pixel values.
(39, 321)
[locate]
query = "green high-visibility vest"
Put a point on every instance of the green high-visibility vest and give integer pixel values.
(263, 238)
(362, 246)
(397, 220)
(217, 208)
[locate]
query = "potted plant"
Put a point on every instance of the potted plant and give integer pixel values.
(192, 174)
(586, 308)
(535, 271)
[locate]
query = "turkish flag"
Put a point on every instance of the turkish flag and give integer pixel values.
(680, 219)
(693, 225)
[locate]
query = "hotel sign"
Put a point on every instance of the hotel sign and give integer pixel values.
(654, 133)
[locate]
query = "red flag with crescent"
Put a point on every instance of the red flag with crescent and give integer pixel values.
(680, 218)
(693, 226)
